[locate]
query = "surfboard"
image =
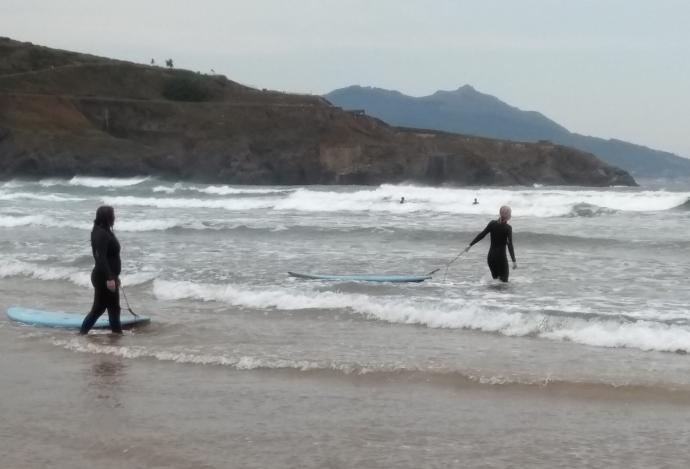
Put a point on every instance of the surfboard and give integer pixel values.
(363, 278)
(60, 319)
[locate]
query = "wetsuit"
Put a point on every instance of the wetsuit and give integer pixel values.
(106, 253)
(501, 236)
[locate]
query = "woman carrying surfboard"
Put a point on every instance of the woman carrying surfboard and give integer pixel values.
(501, 236)
(106, 272)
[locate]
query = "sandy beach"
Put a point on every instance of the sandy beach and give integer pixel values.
(67, 410)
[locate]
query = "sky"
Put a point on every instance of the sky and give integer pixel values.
(607, 68)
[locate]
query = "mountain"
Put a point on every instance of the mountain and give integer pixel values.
(63, 113)
(468, 111)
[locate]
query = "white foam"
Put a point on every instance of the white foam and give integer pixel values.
(38, 220)
(195, 356)
(12, 184)
(218, 190)
(237, 295)
(168, 189)
(240, 362)
(151, 225)
(122, 225)
(237, 204)
(644, 335)
(425, 311)
(41, 272)
(525, 202)
(484, 315)
(528, 202)
(246, 362)
(537, 202)
(42, 197)
(94, 182)
(230, 190)
(79, 277)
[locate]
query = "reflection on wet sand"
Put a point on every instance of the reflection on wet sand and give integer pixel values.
(107, 374)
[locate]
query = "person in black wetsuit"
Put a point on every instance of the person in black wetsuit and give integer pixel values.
(106, 272)
(501, 236)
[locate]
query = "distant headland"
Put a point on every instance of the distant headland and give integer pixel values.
(467, 111)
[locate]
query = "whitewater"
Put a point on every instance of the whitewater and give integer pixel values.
(602, 277)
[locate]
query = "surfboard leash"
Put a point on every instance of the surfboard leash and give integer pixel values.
(445, 274)
(129, 308)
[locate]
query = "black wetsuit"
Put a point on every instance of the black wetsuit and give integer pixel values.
(501, 236)
(106, 253)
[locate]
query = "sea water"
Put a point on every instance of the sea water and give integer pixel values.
(601, 268)
(599, 299)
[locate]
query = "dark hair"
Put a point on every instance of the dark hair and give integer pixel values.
(105, 217)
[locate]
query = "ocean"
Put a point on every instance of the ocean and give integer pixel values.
(580, 360)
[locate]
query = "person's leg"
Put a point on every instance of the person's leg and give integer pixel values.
(114, 311)
(505, 271)
(494, 266)
(98, 308)
(498, 264)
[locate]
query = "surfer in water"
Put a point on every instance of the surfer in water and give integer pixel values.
(106, 272)
(501, 236)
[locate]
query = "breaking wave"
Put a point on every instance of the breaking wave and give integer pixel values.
(236, 204)
(122, 225)
(42, 197)
(94, 182)
(79, 277)
(39, 220)
(533, 202)
(219, 190)
(12, 184)
(587, 210)
(448, 313)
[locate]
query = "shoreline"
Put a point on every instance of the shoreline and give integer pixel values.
(145, 413)
(102, 344)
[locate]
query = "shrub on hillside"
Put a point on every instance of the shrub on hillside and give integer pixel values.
(186, 88)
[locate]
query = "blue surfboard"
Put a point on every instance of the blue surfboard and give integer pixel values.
(363, 278)
(64, 320)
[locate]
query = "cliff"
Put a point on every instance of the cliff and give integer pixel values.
(63, 113)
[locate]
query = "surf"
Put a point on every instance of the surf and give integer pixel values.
(94, 182)
(484, 315)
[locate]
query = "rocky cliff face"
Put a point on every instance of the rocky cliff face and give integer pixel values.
(88, 115)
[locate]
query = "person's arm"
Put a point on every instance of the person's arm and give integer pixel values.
(99, 244)
(511, 250)
(480, 236)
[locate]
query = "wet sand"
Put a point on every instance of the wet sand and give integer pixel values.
(71, 410)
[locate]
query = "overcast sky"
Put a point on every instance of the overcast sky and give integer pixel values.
(609, 68)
